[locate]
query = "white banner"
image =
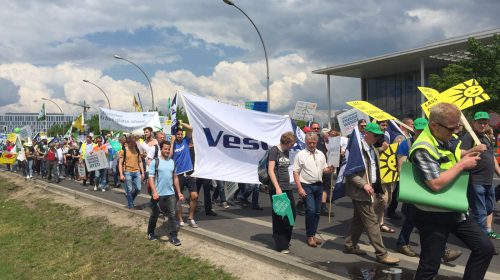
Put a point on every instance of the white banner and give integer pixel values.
(25, 132)
(349, 119)
(230, 141)
(127, 121)
(96, 160)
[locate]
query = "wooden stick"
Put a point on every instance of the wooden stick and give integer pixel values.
(332, 186)
(469, 129)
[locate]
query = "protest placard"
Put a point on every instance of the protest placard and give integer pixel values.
(389, 165)
(371, 110)
(349, 119)
(96, 160)
(25, 132)
(333, 154)
(304, 111)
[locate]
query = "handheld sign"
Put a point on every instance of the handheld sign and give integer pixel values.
(389, 164)
(282, 207)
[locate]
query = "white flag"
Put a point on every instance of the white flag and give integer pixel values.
(229, 141)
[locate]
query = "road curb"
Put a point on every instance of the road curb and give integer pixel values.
(279, 260)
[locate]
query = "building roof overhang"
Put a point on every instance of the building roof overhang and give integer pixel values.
(435, 55)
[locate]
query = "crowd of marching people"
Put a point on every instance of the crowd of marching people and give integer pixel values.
(438, 149)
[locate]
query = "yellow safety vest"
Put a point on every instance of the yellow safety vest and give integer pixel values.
(446, 158)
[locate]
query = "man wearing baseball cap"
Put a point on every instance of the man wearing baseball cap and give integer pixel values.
(481, 192)
(360, 187)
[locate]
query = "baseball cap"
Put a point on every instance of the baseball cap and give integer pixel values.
(481, 116)
(420, 123)
(373, 128)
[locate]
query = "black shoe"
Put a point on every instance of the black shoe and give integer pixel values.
(175, 241)
(152, 237)
(211, 213)
(257, 208)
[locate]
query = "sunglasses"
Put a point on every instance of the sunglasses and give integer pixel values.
(315, 128)
(450, 129)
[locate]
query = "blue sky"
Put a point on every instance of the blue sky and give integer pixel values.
(210, 48)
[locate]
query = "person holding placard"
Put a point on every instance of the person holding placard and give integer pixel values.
(436, 163)
(308, 168)
(279, 161)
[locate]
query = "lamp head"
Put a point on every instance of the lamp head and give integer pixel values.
(229, 2)
(117, 56)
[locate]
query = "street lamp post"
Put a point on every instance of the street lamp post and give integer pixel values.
(46, 99)
(231, 3)
(147, 78)
(87, 81)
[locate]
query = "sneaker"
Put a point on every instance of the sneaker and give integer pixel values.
(103, 189)
(388, 260)
(192, 223)
(354, 250)
(95, 188)
(225, 205)
(27, 177)
(493, 235)
(286, 251)
(407, 251)
(451, 255)
(152, 237)
(181, 223)
(175, 241)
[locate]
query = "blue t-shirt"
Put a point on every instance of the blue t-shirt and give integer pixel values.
(403, 148)
(164, 182)
(182, 157)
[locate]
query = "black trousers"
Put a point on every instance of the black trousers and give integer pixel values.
(391, 209)
(282, 230)
(433, 238)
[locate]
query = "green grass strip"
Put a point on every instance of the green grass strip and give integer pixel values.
(45, 240)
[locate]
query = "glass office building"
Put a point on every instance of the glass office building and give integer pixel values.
(10, 121)
(391, 81)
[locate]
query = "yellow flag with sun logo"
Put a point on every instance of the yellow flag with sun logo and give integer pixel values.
(464, 95)
(388, 165)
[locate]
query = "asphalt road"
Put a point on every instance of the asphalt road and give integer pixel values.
(254, 226)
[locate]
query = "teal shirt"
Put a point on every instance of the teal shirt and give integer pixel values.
(165, 181)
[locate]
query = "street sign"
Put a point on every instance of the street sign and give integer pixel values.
(260, 106)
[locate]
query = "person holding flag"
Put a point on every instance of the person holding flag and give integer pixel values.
(362, 178)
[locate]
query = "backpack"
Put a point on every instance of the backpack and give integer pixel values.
(262, 169)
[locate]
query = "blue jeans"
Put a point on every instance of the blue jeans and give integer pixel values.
(408, 225)
(246, 190)
(101, 178)
(132, 186)
(219, 191)
(30, 168)
(481, 201)
(312, 204)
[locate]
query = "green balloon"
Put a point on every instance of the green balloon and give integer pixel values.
(17, 130)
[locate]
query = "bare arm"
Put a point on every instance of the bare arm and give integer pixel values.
(171, 153)
(189, 131)
(479, 148)
(300, 189)
(177, 186)
(272, 176)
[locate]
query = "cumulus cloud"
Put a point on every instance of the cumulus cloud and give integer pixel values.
(49, 47)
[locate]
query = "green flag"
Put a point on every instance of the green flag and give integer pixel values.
(282, 207)
(42, 115)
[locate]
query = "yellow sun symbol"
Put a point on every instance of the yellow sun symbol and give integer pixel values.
(388, 164)
(465, 94)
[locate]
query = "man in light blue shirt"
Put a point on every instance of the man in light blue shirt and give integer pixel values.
(164, 186)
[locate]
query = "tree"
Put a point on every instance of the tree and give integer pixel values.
(58, 129)
(482, 64)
